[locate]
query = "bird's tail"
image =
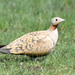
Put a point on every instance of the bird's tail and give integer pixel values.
(5, 51)
(2, 46)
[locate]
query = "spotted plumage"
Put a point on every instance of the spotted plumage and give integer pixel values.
(37, 43)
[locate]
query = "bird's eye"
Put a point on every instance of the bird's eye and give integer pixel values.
(56, 19)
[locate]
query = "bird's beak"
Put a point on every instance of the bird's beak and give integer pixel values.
(62, 20)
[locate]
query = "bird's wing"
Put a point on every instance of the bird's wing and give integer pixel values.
(34, 44)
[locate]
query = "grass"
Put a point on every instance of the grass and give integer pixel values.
(18, 17)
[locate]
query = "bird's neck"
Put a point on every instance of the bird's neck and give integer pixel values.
(53, 27)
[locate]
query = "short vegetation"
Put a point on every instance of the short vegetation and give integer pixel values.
(18, 17)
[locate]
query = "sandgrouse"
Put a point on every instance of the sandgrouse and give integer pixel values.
(37, 43)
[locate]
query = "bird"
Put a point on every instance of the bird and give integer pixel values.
(38, 43)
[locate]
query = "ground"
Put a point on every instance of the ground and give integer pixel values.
(18, 17)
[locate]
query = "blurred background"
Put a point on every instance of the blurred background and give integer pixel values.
(18, 17)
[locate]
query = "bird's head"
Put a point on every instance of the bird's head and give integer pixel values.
(54, 22)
